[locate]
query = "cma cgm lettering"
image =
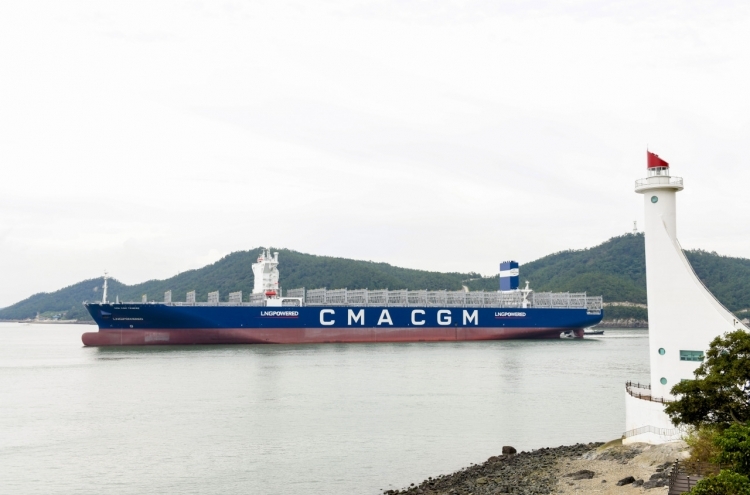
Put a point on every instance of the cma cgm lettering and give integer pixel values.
(328, 316)
(402, 317)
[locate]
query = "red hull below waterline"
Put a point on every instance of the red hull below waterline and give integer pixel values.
(312, 335)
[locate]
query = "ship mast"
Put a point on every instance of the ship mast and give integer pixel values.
(104, 288)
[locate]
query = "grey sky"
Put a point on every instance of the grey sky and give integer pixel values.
(150, 138)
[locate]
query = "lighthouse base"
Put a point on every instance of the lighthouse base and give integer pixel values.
(646, 422)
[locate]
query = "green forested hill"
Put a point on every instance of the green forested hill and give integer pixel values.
(233, 273)
(614, 269)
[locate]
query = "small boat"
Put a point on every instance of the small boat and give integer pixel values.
(594, 332)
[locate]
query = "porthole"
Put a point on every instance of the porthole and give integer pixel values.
(662, 351)
(654, 199)
(663, 381)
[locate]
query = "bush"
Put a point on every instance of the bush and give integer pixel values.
(724, 483)
(734, 443)
(702, 443)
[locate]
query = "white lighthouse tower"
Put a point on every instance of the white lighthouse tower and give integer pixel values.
(683, 316)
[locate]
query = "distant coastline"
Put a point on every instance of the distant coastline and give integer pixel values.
(617, 323)
(53, 322)
(623, 323)
(615, 269)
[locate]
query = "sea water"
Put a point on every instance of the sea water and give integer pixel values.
(281, 419)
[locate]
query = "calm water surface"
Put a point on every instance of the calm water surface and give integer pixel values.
(313, 419)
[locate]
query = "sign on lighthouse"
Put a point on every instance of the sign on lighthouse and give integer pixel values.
(683, 316)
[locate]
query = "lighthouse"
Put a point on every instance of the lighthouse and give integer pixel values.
(683, 316)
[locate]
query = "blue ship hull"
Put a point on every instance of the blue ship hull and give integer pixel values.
(157, 323)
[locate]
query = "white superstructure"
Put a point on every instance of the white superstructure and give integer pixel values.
(266, 274)
(683, 316)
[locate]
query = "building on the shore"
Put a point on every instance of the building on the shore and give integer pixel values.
(683, 316)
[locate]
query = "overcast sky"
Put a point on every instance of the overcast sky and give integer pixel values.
(149, 138)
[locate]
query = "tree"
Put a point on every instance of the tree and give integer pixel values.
(720, 392)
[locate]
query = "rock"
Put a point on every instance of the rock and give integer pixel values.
(583, 474)
(660, 476)
(513, 473)
(626, 481)
(637, 482)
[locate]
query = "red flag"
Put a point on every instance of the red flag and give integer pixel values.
(653, 160)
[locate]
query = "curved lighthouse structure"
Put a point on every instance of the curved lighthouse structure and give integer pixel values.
(683, 316)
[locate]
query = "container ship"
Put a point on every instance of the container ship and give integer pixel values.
(338, 316)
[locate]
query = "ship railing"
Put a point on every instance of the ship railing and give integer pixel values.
(436, 298)
(558, 300)
(578, 300)
(422, 298)
(299, 293)
(357, 297)
(316, 297)
(456, 298)
(257, 299)
(478, 299)
(377, 297)
(416, 298)
(398, 298)
(509, 299)
(336, 297)
(594, 305)
(470, 299)
(206, 303)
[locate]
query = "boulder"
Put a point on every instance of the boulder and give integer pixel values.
(508, 450)
(583, 474)
(626, 481)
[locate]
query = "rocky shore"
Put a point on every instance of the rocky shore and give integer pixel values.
(596, 468)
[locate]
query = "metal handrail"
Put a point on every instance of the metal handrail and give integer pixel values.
(630, 386)
(662, 432)
(646, 386)
(408, 298)
(672, 181)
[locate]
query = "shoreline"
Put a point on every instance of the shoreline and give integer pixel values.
(593, 468)
(622, 323)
